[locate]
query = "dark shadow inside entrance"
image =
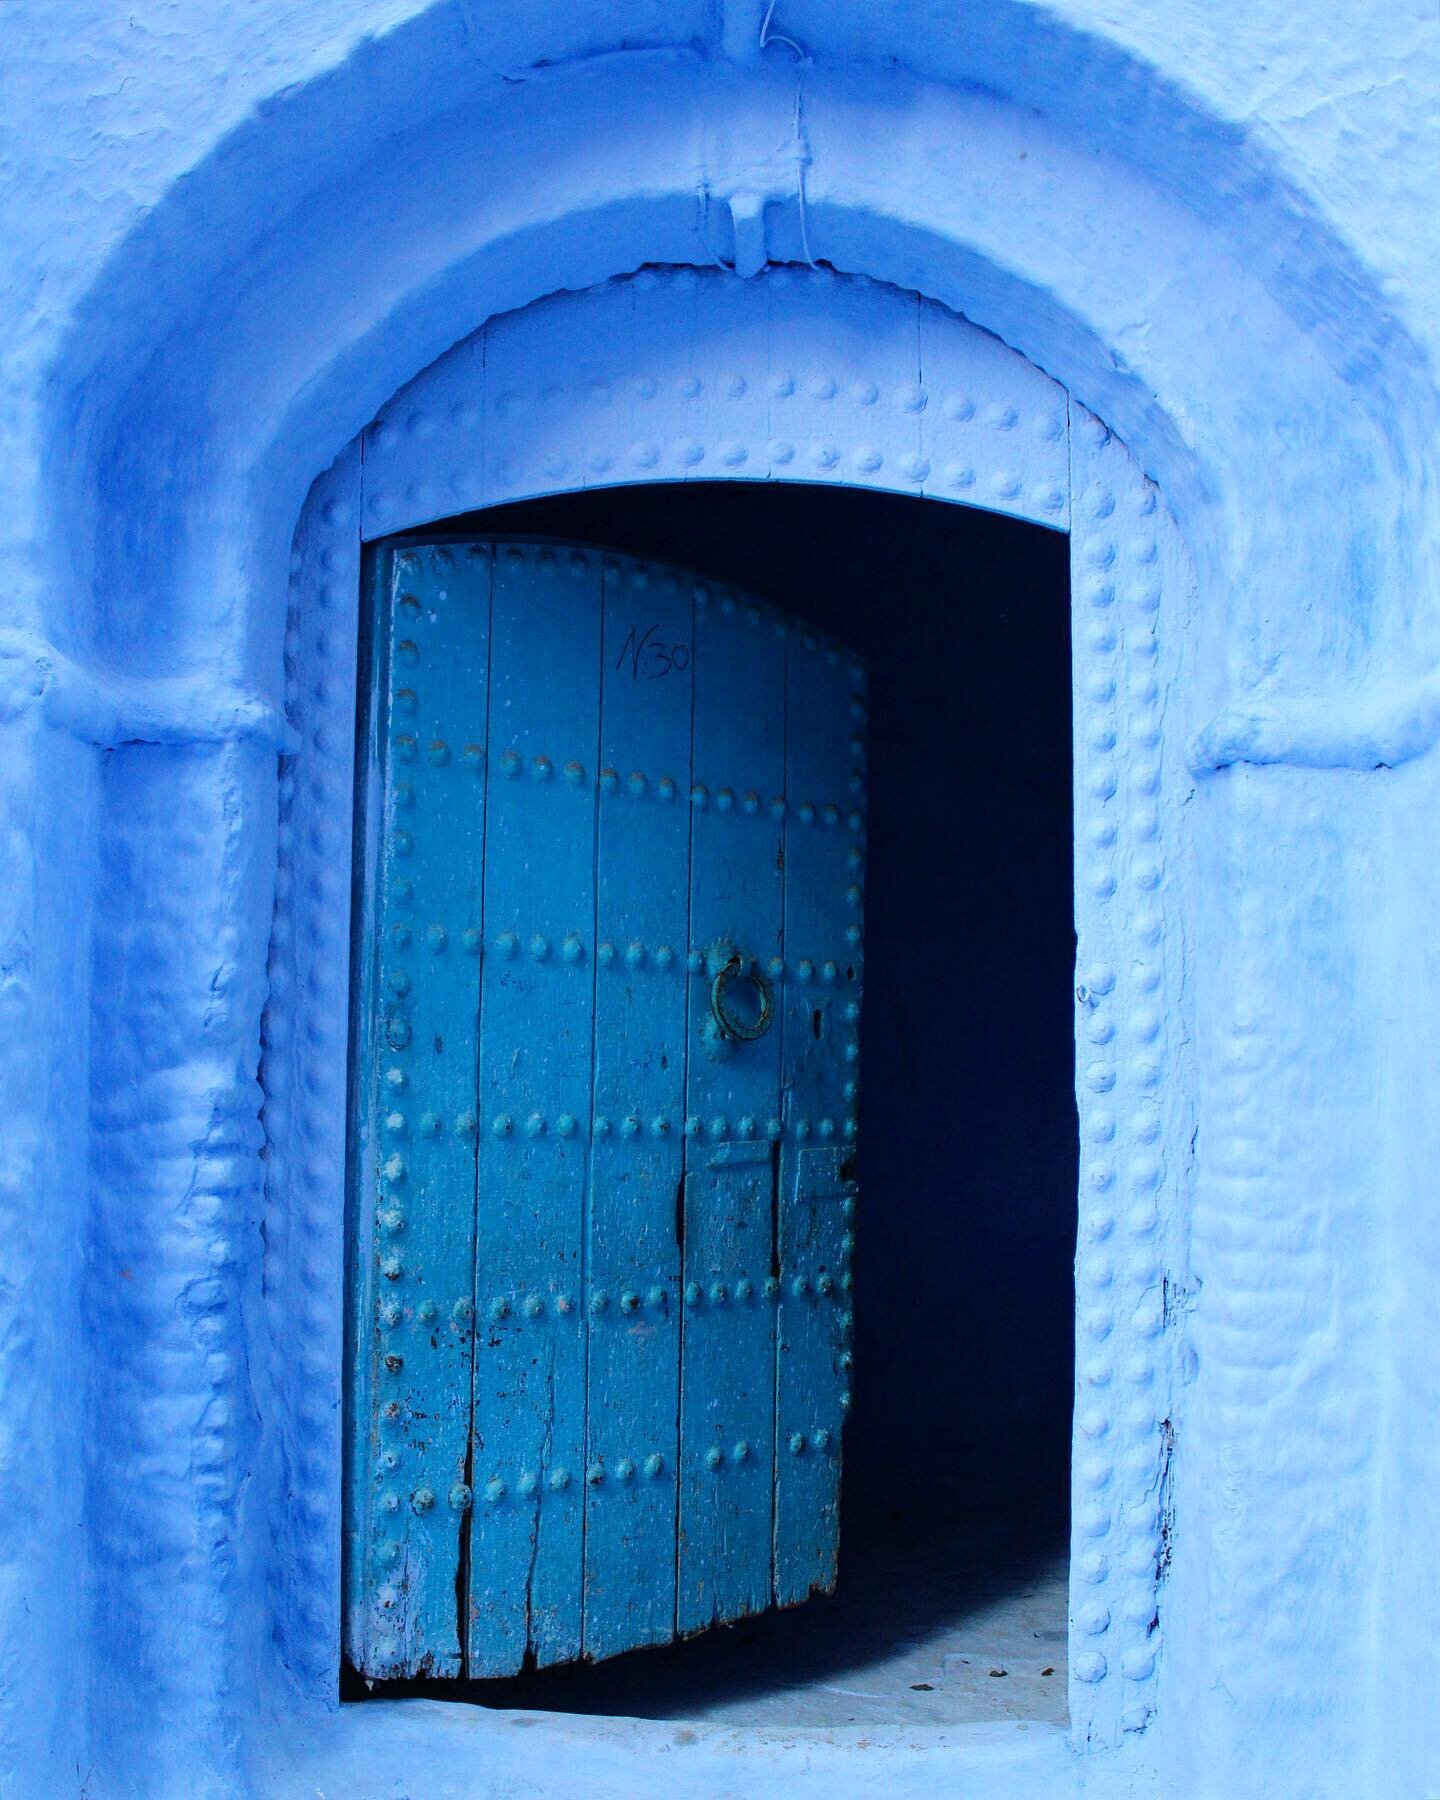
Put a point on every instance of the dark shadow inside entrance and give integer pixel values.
(951, 1603)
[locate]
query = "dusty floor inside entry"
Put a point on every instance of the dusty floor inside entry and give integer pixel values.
(936, 1621)
(954, 1525)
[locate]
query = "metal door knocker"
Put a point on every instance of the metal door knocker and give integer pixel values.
(732, 1025)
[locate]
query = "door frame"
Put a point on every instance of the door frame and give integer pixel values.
(795, 375)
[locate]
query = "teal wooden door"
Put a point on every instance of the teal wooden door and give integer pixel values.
(604, 1100)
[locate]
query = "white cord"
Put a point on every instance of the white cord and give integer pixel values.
(702, 194)
(769, 37)
(802, 148)
(802, 163)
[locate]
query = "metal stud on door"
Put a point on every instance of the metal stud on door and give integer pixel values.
(606, 1028)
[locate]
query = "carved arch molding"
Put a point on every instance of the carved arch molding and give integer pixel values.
(806, 376)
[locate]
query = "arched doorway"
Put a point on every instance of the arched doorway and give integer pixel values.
(951, 1603)
(809, 377)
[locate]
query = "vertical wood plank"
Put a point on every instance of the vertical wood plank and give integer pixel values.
(636, 1157)
(414, 1143)
(824, 891)
(733, 1112)
(525, 1571)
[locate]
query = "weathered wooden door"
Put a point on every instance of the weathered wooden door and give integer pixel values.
(605, 1037)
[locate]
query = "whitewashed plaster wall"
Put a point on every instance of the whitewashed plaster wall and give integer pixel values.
(230, 234)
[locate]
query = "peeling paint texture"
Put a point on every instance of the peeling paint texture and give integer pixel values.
(235, 235)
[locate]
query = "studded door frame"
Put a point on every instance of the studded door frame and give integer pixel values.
(805, 376)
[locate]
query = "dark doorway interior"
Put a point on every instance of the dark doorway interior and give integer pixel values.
(957, 1454)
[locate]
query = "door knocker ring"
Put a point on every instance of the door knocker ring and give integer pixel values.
(728, 1024)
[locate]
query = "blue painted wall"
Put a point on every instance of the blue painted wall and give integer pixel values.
(229, 237)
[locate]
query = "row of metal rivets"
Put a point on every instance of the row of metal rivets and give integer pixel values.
(567, 1125)
(572, 950)
(395, 1167)
(437, 752)
(428, 1311)
(422, 1500)
(431, 1125)
(436, 939)
(637, 783)
(635, 955)
(572, 947)
(623, 1469)
(798, 1286)
(820, 1439)
(528, 1484)
(441, 557)
(628, 1300)
(808, 812)
(797, 1443)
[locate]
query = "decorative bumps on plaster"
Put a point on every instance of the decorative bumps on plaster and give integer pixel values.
(573, 396)
(1127, 570)
(304, 1068)
(796, 375)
